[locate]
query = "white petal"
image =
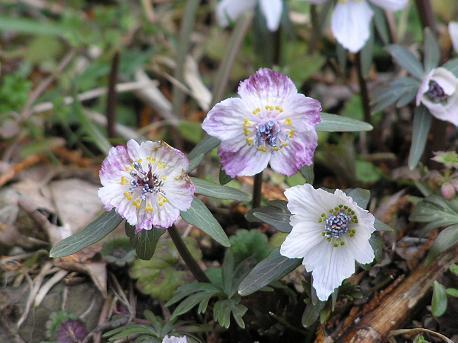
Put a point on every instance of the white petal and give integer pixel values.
(359, 246)
(453, 31)
(424, 86)
(350, 24)
(230, 10)
(446, 80)
(134, 151)
(246, 161)
(307, 203)
(448, 112)
(303, 237)
(329, 266)
(225, 120)
(390, 5)
(302, 111)
(272, 10)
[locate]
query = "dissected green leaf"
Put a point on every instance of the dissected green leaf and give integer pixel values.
(145, 241)
(311, 313)
(446, 239)
(407, 60)
(360, 196)
(336, 123)
(420, 129)
(453, 292)
(199, 216)
(273, 268)
(400, 92)
(214, 190)
(436, 212)
(439, 302)
(308, 174)
(275, 214)
(160, 276)
(204, 147)
(91, 234)
(249, 243)
(431, 50)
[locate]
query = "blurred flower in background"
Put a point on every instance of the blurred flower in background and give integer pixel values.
(351, 19)
(230, 10)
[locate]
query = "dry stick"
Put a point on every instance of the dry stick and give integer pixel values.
(186, 256)
(395, 307)
(438, 127)
(111, 97)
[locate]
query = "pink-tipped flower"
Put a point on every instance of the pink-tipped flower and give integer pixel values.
(147, 184)
(269, 123)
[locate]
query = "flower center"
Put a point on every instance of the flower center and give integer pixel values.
(146, 181)
(267, 134)
(436, 92)
(336, 225)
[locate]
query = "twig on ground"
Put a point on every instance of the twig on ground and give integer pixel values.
(19, 167)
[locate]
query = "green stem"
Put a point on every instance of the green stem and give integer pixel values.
(186, 256)
(257, 190)
(438, 127)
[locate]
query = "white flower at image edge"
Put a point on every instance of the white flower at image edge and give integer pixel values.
(174, 339)
(351, 20)
(230, 10)
(146, 183)
(453, 31)
(330, 232)
(439, 93)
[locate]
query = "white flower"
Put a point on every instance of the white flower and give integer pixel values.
(230, 10)
(174, 339)
(330, 232)
(350, 22)
(439, 93)
(147, 184)
(453, 31)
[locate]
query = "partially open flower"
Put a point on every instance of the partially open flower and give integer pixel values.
(439, 93)
(231, 9)
(351, 19)
(269, 123)
(330, 232)
(147, 184)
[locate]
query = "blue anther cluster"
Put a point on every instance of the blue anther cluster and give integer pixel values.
(435, 92)
(337, 226)
(267, 133)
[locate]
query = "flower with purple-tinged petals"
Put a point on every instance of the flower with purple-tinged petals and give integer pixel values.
(330, 232)
(72, 331)
(270, 122)
(146, 183)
